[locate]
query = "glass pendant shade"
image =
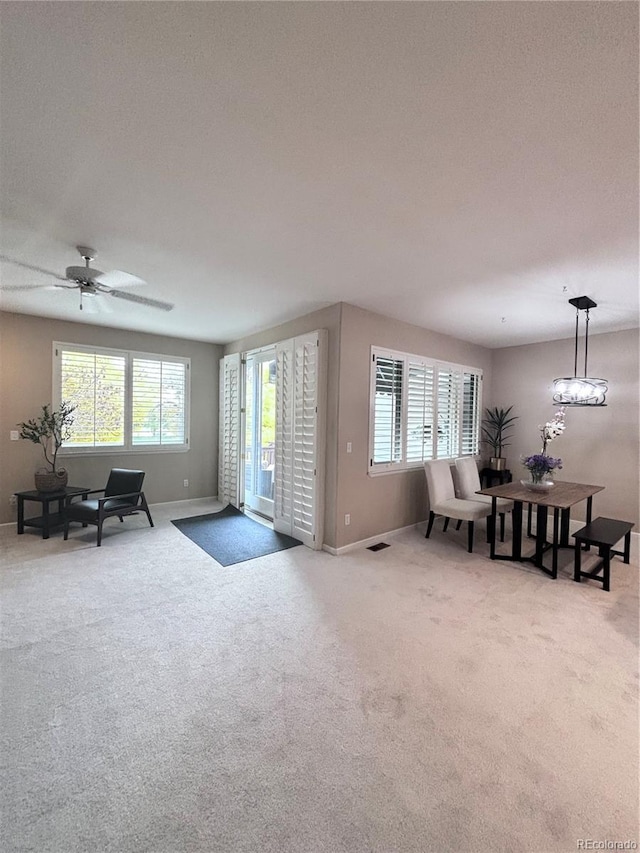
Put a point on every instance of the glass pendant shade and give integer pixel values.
(580, 390)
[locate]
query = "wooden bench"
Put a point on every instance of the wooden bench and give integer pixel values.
(603, 532)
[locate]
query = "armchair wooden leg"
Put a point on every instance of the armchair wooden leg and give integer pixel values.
(470, 537)
(459, 524)
(145, 506)
(66, 529)
(446, 524)
(432, 516)
(121, 518)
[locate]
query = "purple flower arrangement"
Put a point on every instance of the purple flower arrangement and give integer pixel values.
(540, 465)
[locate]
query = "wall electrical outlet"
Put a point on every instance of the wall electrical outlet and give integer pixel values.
(347, 519)
(14, 435)
(13, 500)
(185, 483)
(349, 447)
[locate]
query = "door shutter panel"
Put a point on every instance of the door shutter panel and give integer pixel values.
(299, 459)
(283, 458)
(229, 442)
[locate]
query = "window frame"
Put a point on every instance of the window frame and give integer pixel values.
(129, 355)
(376, 469)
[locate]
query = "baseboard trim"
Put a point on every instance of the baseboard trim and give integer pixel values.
(370, 540)
(186, 500)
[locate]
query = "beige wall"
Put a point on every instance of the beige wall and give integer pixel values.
(600, 445)
(329, 319)
(26, 384)
(388, 501)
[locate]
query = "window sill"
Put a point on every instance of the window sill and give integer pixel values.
(113, 451)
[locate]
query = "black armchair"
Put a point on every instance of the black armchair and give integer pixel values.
(122, 496)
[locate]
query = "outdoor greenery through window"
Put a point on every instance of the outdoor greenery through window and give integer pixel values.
(124, 400)
(421, 409)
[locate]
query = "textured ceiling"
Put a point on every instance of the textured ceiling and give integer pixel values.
(449, 164)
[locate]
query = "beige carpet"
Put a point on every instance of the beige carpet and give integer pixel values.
(415, 699)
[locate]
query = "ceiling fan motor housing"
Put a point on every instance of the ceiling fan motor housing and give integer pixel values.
(82, 275)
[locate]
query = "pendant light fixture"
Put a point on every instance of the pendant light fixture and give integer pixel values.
(580, 390)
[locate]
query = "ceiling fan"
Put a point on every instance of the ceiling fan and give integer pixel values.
(91, 283)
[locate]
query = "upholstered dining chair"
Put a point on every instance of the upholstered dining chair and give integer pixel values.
(469, 483)
(443, 500)
(123, 495)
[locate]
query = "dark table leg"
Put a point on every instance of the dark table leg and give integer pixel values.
(529, 533)
(492, 531)
(516, 520)
(564, 529)
(627, 548)
(554, 564)
(587, 546)
(20, 514)
(541, 533)
(45, 519)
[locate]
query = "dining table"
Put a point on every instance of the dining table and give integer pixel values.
(560, 497)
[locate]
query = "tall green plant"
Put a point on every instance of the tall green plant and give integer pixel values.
(496, 428)
(49, 430)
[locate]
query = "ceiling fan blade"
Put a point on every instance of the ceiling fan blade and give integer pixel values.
(117, 278)
(26, 287)
(5, 259)
(142, 300)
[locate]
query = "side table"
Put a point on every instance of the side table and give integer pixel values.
(489, 475)
(47, 520)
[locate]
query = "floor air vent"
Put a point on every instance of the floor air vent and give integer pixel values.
(378, 547)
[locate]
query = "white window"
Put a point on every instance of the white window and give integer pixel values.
(421, 409)
(125, 401)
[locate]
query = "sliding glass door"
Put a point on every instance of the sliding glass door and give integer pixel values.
(260, 429)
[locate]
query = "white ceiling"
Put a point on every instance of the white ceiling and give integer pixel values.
(449, 164)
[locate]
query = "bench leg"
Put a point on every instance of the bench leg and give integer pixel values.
(470, 537)
(605, 553)
(627, 547)
(577, 561)
(446, 524)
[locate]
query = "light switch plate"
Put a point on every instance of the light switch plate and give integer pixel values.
(14, 435)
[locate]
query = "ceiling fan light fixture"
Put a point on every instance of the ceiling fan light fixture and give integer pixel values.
(580, 390)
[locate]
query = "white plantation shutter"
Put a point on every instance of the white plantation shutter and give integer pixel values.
(449, 390)
(94, 382)
(471, 414)
(124, 401)
(299, 458)
(158, 402)
(387, 431)
(229, 433)
(419, 441)
(421, 409)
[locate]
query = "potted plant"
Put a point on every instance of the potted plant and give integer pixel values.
(496, 428)
(50, 430)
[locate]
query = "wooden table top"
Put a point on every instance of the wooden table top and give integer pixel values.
(562, 495)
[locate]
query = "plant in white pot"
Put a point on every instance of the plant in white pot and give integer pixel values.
(496, 429)
(50, 430)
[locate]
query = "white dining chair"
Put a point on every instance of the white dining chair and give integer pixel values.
(468, 481)
(443, 500)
